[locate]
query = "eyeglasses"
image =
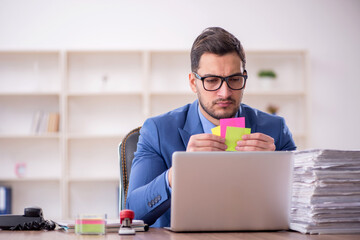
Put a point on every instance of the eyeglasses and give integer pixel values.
(213, 82)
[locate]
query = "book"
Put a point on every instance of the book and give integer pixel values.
(5, 200)
(53, 122)
(35, 126)
(45, 122)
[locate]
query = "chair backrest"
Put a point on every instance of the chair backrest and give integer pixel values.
(127, 148)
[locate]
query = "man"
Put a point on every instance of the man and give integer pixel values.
(218, 78)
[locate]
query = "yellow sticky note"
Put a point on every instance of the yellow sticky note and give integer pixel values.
(234, 134)
(216, 131)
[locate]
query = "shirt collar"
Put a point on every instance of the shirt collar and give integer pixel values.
(206, 124)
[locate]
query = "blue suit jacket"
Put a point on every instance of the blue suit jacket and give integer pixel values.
(148, 193)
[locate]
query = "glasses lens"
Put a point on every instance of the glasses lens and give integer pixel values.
(212, 83)
(236, 82)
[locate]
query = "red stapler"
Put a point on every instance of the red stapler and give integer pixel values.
(126, 217)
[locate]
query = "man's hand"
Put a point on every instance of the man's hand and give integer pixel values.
(256, 142)
(206, 142)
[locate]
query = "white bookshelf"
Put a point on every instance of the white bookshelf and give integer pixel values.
(289, 92)
(101, 95)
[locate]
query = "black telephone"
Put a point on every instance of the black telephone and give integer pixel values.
(31, 220)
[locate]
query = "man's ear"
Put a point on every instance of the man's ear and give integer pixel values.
(245, 73)
(192, 82)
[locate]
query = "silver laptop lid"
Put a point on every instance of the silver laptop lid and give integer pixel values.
(230, 191)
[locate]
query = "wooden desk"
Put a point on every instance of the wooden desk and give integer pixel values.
(162, 234)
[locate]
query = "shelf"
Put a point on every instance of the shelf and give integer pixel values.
(173, 93)
(276, 93)
(291, 107)
(289, 66)
(30, 94)
(104, 93)
(169, 71)
(45, 194)
(104, 115)
(95, 136)
(106, 71)
(100, 96)
(31, 154)
(98, 156)
(30, 136)
(18, 112)
(276, 52)
(95, 179)
(162, 103)
(32, 179)
(29, 71)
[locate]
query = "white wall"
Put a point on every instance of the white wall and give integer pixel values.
(328, 29)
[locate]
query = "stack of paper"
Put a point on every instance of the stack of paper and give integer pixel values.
(326, 192)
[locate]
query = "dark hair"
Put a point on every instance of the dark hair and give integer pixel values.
(218, 41)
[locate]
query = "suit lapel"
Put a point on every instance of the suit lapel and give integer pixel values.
(248, 120)
(192, 124)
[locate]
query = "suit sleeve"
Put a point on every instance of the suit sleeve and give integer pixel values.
(148, 194)
(286, 142)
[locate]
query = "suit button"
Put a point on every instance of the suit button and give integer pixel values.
(152, 202)
(149, 204)
(158, 198)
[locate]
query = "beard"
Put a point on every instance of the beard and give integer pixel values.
(219, 115)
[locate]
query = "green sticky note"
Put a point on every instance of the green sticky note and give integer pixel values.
(234, 134)
(216, 131)
(90, 229)
(90, 226)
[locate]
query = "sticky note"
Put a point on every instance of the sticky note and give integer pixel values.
(90, 224)
(216, 131)
(234, 134)
(231, 122)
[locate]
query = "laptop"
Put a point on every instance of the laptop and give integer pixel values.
(231, 191)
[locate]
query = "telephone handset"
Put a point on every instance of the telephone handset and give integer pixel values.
(31, 220)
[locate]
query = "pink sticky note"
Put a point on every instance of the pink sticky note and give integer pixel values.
(231, 122)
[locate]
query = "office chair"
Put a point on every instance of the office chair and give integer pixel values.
(127, 148)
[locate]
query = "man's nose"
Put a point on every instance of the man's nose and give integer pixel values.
(224, 91)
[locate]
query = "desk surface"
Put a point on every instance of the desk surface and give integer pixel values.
(159, 234)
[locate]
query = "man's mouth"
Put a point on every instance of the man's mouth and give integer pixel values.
(224, 103)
